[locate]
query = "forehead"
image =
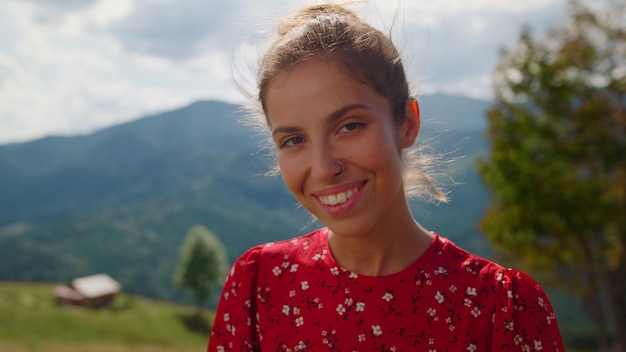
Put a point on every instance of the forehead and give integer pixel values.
(315, 87)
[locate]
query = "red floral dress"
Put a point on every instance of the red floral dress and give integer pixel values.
(292, 296)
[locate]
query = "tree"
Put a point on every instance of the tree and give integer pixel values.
(202, 264)
(557, 168)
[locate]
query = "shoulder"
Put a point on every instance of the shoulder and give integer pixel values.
(514, 291)
(489, 272)
(522, 313)
(459, 259)
(268, 253)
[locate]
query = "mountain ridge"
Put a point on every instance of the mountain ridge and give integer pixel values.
(121, 199)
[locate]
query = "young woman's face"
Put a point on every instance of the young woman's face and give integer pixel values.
(339, 149)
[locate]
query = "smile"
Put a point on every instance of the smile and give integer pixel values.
(339, 198)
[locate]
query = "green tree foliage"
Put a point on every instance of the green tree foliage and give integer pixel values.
(557, 169)
(202, 264)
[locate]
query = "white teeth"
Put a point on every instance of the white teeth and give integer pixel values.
(342, 197)
(338, 198)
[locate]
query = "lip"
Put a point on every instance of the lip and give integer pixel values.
(352, 191)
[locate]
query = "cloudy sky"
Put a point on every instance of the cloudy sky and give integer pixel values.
(73, 66)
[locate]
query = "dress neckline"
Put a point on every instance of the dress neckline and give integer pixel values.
(415, 266)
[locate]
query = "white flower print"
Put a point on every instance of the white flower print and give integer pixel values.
(452, 288)
(476, 312)
(231, 328)
(292, 293)
(334, 271)
(440, 297)
(319, 304)
(517, 339)
(432, 312)
(353, 275)
(299, 321)
(301, 346)
(349, 301)
(226, 317)
(304, 285)
(471, 291)
(377, 330)
(361, 337)
(286, 309)
(285, 265)
(541, 304)
(296, 311)
(471, 347)
(294, 268)
(341, 309)
(360, 306)
(388, 296)
(277, 271)
(538, 346)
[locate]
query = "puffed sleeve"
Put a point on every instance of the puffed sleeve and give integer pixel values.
(234, 327)
(523, 317)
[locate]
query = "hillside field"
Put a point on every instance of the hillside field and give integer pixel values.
(31, 321)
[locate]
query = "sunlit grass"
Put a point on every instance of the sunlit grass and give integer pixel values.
(32, 321)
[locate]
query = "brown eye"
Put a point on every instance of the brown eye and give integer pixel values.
(292, 141)
(351, 126)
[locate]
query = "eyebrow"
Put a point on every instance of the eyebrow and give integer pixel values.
(334, 116)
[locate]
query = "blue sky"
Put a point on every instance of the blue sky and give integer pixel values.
(73, 66)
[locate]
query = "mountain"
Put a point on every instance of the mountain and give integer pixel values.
(121, 200)
(452, 112)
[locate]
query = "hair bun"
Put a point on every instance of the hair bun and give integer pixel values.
(322, 12)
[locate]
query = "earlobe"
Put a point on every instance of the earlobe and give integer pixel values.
(412, 123)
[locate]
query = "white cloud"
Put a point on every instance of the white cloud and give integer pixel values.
(73, 66)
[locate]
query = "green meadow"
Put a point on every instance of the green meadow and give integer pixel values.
(30, 320)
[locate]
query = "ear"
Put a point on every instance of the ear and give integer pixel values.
(411, 126)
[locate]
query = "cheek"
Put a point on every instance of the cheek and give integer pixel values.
(291, 173)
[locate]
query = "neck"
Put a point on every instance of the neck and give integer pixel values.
(383, 251)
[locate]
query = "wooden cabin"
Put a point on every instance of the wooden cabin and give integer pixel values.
(89, 291)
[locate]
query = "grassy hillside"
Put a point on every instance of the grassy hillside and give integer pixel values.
(31, 321)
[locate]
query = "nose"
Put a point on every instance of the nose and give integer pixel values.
(324, 163)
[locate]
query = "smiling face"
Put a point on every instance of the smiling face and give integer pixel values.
(339, 149)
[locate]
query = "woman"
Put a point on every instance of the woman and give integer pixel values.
(335, 98)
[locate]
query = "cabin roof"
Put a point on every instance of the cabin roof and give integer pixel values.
(95, 285)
